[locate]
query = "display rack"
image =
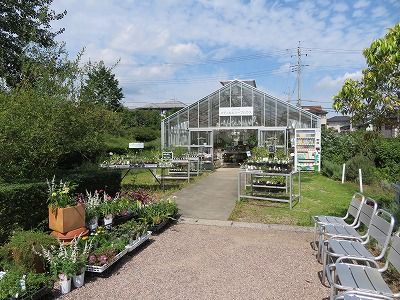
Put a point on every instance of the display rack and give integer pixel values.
(308, 149)
(182, 169)
(270, 186)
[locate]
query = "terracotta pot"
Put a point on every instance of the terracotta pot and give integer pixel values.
(67, 219)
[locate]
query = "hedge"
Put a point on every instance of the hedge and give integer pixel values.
(24, 205)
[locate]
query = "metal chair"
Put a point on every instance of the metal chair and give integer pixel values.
(368, 209)
(352, 212)
(380, 230)
(365, 278)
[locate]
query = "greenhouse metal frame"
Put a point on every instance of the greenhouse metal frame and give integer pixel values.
(236, 106)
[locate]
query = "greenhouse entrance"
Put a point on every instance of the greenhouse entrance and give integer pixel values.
(231, 146)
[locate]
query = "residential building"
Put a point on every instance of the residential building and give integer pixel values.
(317, 110)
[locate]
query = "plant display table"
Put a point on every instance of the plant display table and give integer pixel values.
(182, 169)
(270, 186)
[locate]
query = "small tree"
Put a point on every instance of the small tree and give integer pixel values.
(375, 98)
(102, 87)
(23, 23)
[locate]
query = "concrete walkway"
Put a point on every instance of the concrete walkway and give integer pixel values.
(211, 197)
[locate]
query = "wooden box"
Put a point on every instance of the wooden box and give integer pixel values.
(67, 219)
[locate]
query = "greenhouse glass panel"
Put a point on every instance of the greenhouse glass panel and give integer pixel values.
(282, 114)
(194, 138)
(294, 118)
(247, 121)
(236, 121)
(247, 96)
(214, 103)
(258, 109)
(270, 112)
(203, 113)
(225, 121)
(193, 117)
(314, 123)
(183, 128)
(236, 94)
(225, 98)
(174, 131)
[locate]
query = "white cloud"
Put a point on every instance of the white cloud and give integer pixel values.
(340, 7)
(379, 11)
(361, 4)
(183, 52)
(328, 82)
(358, 13)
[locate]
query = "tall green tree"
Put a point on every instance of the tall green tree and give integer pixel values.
(101, 87)
(375, 98)
(23, 23)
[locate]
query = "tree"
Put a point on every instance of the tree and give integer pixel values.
(375, 99)
(102, 87)
(23, 23)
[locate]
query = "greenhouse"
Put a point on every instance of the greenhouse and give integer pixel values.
(234, 119)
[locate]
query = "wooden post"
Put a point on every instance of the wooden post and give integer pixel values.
(360, 176)
(343, 173)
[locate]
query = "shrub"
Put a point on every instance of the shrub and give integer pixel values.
(332, 170)
(96, 179)
(19, 250)
(363, 163)
(22, 206)
(145, 134)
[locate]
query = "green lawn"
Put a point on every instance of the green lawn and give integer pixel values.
(320, 195)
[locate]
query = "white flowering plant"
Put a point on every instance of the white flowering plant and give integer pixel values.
(93, 202)
(67, 260)
(59, 194)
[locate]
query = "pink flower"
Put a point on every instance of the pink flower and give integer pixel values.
(103, 259)
(92, 259)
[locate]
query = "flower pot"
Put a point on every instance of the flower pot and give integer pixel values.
(67, 219)
(65, 286)
(108, 219)
(78, 280)
(93, 223)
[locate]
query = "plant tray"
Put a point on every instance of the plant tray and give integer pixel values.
(101, 269)
(157, 228)
(136, 243)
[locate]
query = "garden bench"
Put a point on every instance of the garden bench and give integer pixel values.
(353, 212)
(365, 278)
(368, 209)
(380, 231)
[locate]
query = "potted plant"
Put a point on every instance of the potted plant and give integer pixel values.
(64, 213)
(108, 208)
(92, 208)
(66, 262)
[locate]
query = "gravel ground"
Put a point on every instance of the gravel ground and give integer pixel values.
(214, 262)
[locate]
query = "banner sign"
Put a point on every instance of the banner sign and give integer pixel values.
(235, 111)
(136, 145)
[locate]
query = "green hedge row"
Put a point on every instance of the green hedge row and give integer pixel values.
(24, 205)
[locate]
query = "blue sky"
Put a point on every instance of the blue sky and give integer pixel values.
(174, 49)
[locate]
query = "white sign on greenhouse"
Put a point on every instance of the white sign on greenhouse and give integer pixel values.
(235, 111)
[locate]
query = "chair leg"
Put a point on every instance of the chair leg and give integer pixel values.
(333, 289)
(315, 237)
(320, 242)
(324, 264)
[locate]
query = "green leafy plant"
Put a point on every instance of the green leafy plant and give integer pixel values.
(22, 247)
(60, 194)
(10, 284)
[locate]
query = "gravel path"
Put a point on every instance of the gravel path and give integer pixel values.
(211, 262)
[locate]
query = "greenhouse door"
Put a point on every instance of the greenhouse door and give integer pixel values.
(201, 141)
(273, 139)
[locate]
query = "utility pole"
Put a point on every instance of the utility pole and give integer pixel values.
(297, 68)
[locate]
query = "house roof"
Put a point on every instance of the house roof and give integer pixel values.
(170, 104)
(339, 119)
(249, 82)
(315, 109)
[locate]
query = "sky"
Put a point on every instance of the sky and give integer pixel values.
(174, 49)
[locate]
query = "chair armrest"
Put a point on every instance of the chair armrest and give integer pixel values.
(344, 238)
(361, 259)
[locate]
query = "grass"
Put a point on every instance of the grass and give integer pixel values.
(320, 196)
